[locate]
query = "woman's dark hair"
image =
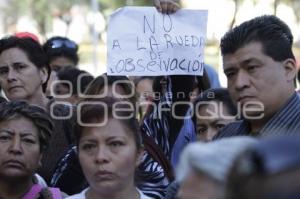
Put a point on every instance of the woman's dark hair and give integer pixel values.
(71, 75)
(139, 79)
(64, 50)
(32, 49)
(201, 83)
(104, 80)
(216, 94)
(105, 109)
(38, 116)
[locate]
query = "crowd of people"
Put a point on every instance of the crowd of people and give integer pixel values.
(67, 134)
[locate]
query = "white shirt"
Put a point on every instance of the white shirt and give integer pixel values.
(81, 195)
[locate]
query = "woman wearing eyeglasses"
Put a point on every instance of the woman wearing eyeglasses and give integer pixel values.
(23, 76)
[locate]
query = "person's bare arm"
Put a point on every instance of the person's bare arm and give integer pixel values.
(167, 6)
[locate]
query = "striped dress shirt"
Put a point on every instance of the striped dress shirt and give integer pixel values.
(285, 122)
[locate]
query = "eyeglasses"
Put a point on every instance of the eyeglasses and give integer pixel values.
(59, 43)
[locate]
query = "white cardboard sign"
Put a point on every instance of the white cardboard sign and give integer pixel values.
(144, 42)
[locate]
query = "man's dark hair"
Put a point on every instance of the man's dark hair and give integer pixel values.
(38, 116)
(274, 35)
(63, 51)
(104, 80)
(32, 49)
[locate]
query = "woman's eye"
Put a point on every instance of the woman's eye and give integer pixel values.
(88, 147)
(57, 92)
(201, 130)
(19, 67)
(116, 144)
(219, 126)
(29, 141)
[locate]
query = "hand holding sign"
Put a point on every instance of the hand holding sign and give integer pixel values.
(166, 6)
(142, 41)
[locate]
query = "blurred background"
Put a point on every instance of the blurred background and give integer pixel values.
(85, 22)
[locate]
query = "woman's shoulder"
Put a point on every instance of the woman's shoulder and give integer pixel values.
(80, 195)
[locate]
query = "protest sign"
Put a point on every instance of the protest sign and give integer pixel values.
(143, 42)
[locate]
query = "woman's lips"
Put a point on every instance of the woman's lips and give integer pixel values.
(14, 164)
(104, 175)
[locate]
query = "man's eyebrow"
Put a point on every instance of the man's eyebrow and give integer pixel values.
(249, 60)
(244, 62)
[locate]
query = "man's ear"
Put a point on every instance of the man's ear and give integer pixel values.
(290, 68)
(44, 74)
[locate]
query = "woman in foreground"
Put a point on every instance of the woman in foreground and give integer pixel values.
(109, 150)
